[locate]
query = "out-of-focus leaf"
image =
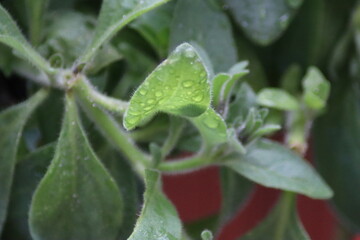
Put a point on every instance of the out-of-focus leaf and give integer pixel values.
(316, 89)
(154, 26)
(263, 21)
(28, 174)
(177, 86)
(35, 13)
(278, 99)
(158, 218)
(273, 165)
(68, 33)
(138, 67)
(12, 121)
(11, 35)
(77, 198)
(291, 79)
(207, 26)
(114, 15)
(336, 151)
(282, 223)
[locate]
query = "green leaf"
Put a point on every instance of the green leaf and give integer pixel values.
(77, 198)
(68, 33)
(154, 26)
(278, 99)
(211, 126)
(223, 83)
(291, 79)
(35, 12)
(114, 15)
(158, 218)
(245, 99)
(336, 151)
(177, 86)
(316, 89)
(11, 35)
(272, 165)
(28, 173)
(207, 26)
(282, 223)
(263, 21)
(265, 130)
(12, 122)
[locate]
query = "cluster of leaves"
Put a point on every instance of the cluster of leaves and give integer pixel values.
(188, 80)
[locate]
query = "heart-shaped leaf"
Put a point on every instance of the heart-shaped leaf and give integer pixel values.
(158, 218)
(77, 198)
(282, 223)
(114, 15)
(177, 86)
(11, 35)
(12, 122)
(272, 165)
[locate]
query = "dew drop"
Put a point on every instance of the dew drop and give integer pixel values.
(158, 93)
(142, 92)
(198, 97)
(132, 119)
(148, 108)
(211, 122)
(187, 83)
(150, 101)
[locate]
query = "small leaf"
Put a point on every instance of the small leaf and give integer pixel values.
(263, 21)
(208, 27)
(28, 173)
(114, 15)
(316, 89)
(158, 218)
(272, 165)
(11, 35)
(245, 99)
(223, 83)
(278, 99)
(177, 86)
(77, 198)
(265, 130)
(12, 122)
(211, 126)
(282, 223)
(291, 79)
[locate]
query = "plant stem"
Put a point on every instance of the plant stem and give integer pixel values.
(287, 201)
(185, 165)
(114, 105)
(115, 134)
(176, 127)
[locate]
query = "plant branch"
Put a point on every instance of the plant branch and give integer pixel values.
(185, 165)
(113, 132)
(113, 105)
